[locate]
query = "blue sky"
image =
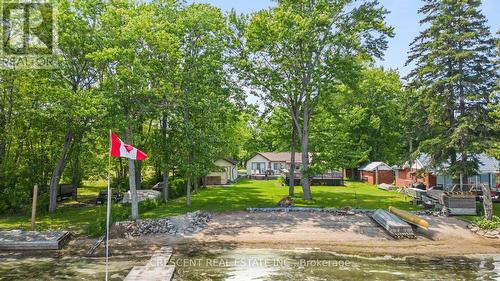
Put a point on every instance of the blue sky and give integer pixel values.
(403, 17)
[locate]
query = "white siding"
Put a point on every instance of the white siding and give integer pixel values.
(230, 172)
(257, 159)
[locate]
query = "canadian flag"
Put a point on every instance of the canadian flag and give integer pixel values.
(120, 149)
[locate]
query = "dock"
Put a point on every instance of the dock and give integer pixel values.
(33, 240)
(156, 269)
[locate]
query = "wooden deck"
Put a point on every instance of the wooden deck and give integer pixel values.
(33, 240)
(155, 269)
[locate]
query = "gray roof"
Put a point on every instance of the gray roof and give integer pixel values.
(230, 160)
(381, 166)
(281, 156)
(487, 164)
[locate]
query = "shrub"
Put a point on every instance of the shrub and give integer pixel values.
(486, 224)
(176, 188)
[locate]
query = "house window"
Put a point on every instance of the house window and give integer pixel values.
(277, 166)
(259, 167)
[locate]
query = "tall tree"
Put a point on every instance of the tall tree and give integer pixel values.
(296, 53)
(360, 123)
(454, 78)
(74, 82)
(206, 97)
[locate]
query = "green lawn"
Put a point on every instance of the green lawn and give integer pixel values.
(246, 193)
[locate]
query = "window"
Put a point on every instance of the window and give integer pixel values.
(277, 166)
(259, 167)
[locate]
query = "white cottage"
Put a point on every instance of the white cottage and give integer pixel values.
(271, 163)
(226, 172)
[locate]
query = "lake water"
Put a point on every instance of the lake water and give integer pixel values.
(255, 264)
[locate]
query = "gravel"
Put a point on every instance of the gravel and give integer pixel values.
(182, 225)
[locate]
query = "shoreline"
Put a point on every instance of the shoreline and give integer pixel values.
(354, 235)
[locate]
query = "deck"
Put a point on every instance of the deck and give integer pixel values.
(33, 240)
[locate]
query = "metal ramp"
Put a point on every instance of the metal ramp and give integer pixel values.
(395, 226)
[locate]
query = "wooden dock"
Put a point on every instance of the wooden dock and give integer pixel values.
(156, 269)
(33, 240)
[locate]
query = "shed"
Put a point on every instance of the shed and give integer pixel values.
(376, 173)
(225, 172)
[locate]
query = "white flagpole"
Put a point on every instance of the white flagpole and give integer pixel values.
(108, 208)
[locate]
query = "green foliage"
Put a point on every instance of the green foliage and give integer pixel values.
(454, 82)
(488, 224)
(244, 194)
(359, 123)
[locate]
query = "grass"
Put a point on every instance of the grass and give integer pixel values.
(246, 193)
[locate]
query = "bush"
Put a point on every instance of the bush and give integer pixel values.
(486, 224)
(176, 188)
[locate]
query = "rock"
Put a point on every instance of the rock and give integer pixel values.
(489, 235)
(179, 225)
(142, 195)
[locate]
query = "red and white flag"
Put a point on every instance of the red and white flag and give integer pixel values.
(120, 149)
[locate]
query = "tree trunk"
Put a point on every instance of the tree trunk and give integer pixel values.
(487, 202)
(305, 181)
(58, 170)
(188, 192)
(165, 186)
(2, 149)
(132, 180)
(195, 184)
(75, 176)
(291, 191)
(188, 189)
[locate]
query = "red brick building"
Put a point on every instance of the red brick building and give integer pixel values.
(376, 173)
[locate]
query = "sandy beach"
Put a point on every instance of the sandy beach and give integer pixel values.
(357, 234)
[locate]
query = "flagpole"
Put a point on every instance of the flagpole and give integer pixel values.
(108, 208)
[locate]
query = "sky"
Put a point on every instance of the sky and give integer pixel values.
(403, 17)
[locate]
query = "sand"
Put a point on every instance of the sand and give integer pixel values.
(446, 236)
(358, 234)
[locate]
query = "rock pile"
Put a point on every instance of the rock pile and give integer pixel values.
(179, 226)
(493, 233)
(286, 201)
(142, 195)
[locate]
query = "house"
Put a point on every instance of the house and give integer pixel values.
(419, 170)
(376, 173)
(423, 170)
(270, 164)
(226, 172)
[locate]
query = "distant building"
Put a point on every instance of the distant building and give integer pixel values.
(226, 172)
(423, 170)
(376, 173)
(271, 163)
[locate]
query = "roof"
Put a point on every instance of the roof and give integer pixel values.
(230, 160)
(373, 166)
(281, 156)
(486, 165)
